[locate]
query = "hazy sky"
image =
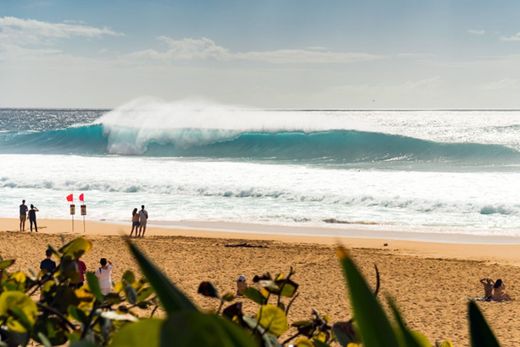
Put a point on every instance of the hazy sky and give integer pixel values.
(269, 53)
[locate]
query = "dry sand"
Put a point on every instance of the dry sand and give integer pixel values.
(431, 282)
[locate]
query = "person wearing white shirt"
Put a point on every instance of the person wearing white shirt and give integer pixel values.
(104, 276)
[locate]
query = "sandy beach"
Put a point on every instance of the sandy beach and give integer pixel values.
(431, 282)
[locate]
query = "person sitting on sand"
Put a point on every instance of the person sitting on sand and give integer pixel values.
(104, 275)
(135, 222)
(488, 288)
(499, 293)
(241, 285)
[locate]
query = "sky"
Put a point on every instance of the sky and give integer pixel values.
(319, 54)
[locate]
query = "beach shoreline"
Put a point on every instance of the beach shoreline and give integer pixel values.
(499, 249)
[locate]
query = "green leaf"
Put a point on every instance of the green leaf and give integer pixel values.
(481, 334)
(255, 295)
(93, 285)
(269, 340)
(144, 293)
(44, 340)
(374, 326)
(172, 298)
(77, 314)
(228, 297)
(409, 338)
(76, 248)
(288, 287)
(273, 319)
(4, 264)
(197, 329)
(134, 334)
(19, 309)
(130, 294)
(128, 277)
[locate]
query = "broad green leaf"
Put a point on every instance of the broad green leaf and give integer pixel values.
(444, 343)
(76, 248)
(77, 314)
(273, 319)
(228, 297)
(44, 340)
(197, 329)
(144, 293)
(128, 277)
(130, 294)
(268, 340)
(4, 264)
(408, 337)
(19, 309)
(93, 285)
(288, 287)
(172, 298)
(255, 295)
(481, 334)
(136, 334)
(374, 326)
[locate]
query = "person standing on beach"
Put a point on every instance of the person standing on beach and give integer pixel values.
(32, 218)
(135, 222)
(143, 218)
(23, 215)
(104, 275)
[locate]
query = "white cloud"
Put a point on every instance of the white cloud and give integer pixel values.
(207, 49)
(505, 83)
(30, 31)
(515, 37)
(478, 32)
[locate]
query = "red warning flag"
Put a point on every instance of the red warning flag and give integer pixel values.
(82, 197)
(70, 198)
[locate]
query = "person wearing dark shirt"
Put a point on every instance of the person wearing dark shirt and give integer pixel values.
(47, 266)
(32, 218)
(23, 215)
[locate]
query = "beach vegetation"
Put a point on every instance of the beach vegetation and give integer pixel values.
(48, 309)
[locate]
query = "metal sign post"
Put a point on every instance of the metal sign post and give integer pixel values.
(83, 213)
(72, 213)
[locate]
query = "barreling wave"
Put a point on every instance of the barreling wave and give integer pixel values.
(335, 146)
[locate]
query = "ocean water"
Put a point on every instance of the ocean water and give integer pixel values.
(423, 171)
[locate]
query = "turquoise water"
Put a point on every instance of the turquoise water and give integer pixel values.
(438, 171)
